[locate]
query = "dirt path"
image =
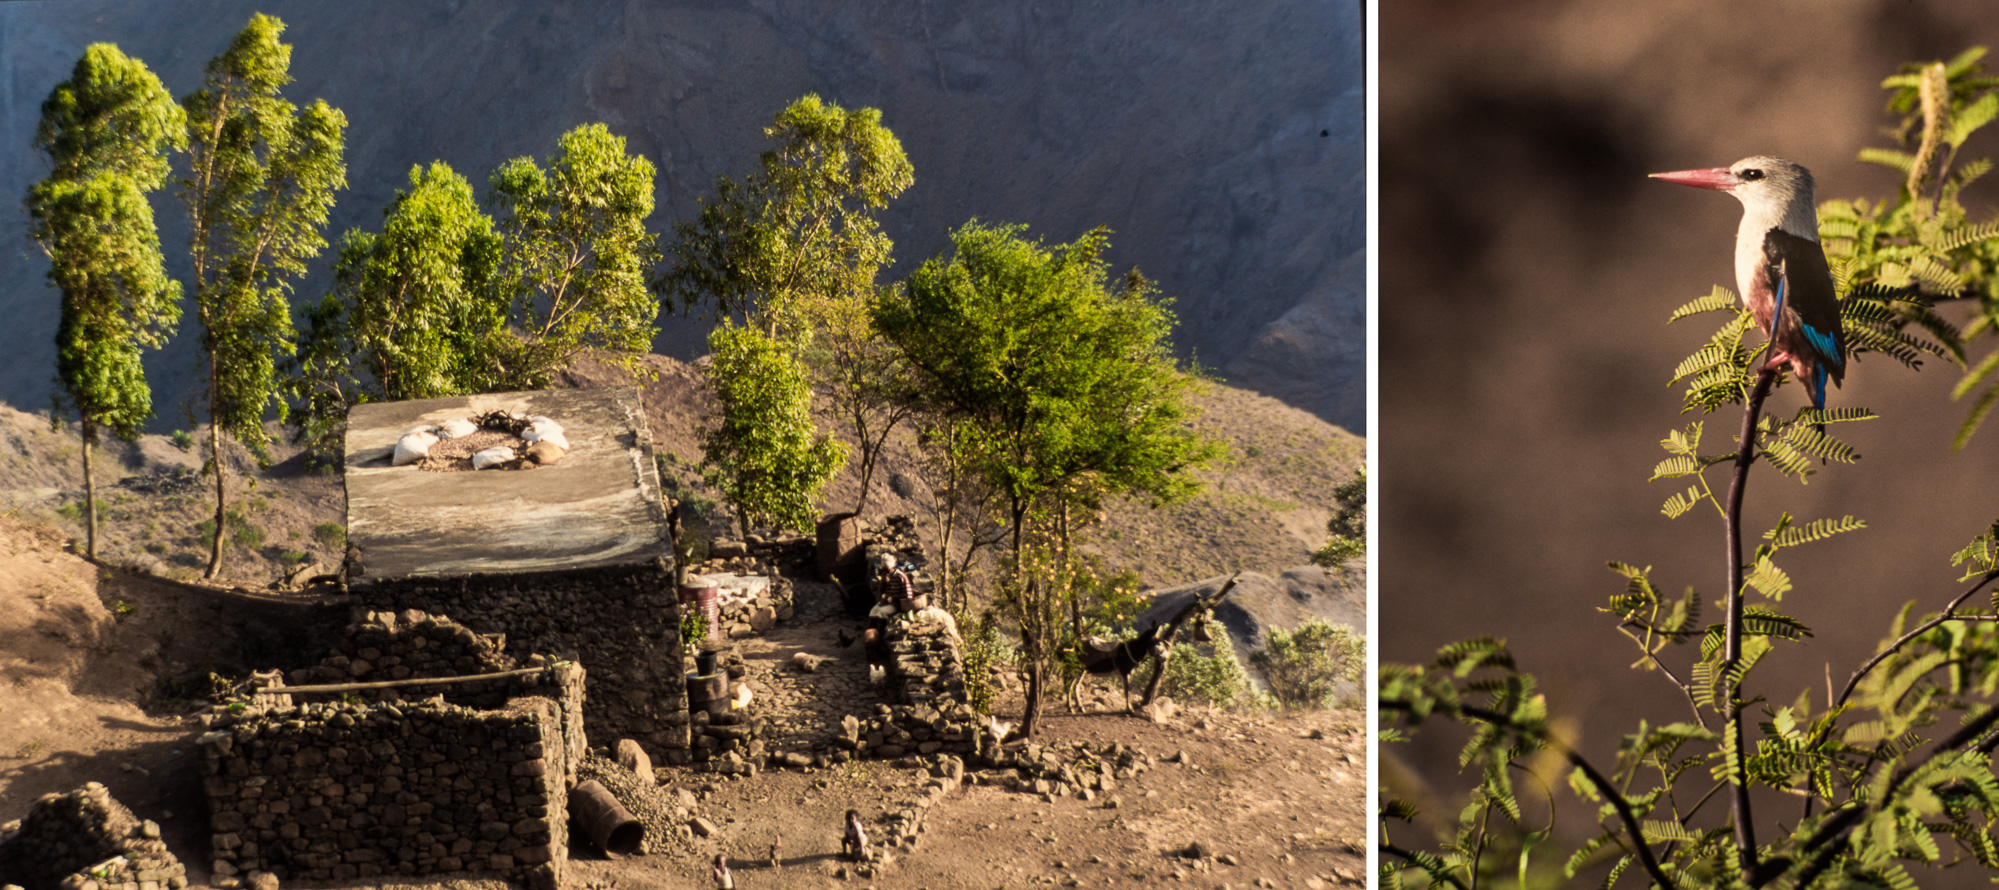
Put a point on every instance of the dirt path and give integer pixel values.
(804, 707)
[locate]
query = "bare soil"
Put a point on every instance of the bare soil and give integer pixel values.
(99, 663)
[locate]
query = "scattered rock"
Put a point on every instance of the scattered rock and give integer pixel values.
(634, 758)
(702, 827)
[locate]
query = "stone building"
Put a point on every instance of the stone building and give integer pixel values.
(570, 559)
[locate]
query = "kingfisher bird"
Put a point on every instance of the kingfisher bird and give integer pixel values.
(1780, 270)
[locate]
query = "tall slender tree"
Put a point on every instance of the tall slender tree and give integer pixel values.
(105, 133)
(261, 180)
(800, 232)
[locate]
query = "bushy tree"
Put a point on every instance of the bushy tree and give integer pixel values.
(1061, 384)
(576, 253)
(1305, 666)
(764, 453)
(105, 134)
(262, 175)
(413, 313)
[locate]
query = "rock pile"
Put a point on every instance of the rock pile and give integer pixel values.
(664, 813)
(397, 646)
(1077, 769)
(86, 840)
(902, 730)
(343, 791)
(772, 554)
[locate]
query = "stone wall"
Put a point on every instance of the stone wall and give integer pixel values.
(932, 717)
(86, 840)
(621, 623)
(341, 791)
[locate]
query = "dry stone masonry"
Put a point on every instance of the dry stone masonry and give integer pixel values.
(86, 840)
(621, 623)
(341, 791)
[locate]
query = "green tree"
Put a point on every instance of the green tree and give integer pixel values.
(797, 238)
(413, 314)
(1346, 532)
(259, 189)
(576, 253)
(105, 133)
(867, 384)
(1063, 386)
(764, 452)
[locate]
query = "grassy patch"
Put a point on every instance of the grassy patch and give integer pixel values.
(332, 535)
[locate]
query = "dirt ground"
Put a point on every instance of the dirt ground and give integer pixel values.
(96, 666)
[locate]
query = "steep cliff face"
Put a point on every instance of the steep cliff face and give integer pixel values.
(1221, 142)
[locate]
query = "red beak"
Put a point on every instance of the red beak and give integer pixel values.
(1712, 178)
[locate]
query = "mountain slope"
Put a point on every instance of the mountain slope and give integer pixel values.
(1221, 142)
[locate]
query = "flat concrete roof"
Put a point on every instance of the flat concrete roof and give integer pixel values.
(597, 506)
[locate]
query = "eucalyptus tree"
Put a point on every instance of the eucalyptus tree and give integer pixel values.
(576, 253)
(1063, 388)
(798, 236)
(105, 133)
(262, 173)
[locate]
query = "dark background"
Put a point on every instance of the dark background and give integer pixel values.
(1527, 271)
(1221, 141)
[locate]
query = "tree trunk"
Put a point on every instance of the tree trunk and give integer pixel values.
(1030, 719)
(221, 488)
(89, 432)
(1158, 679)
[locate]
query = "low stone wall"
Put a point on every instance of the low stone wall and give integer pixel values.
(341, 791)
(86, 840)
(621, 623)
(932, 717)
(399, 646)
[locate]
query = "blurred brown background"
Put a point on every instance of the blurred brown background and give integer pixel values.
(1527, 271)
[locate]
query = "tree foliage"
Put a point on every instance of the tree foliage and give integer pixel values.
(413, 313)
(799, 235)
(765, 453)
(577, 252)
(1893, 771)
(260, 186)
(1061, 385)
(105, 134)
(1346, 532)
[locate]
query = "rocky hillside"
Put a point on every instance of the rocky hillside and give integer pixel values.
(1263, 510)
(1221, 142)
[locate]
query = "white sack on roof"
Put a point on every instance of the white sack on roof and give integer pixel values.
(413, 446)
(497, 454)
(452, 429)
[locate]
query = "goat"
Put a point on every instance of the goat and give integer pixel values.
(1121, 657)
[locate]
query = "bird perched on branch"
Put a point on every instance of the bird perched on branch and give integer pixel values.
(1780, 271)
(855, 842)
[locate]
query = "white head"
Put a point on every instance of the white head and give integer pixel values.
(1775, 193)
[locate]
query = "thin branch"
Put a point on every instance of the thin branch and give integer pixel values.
(1684, 688)
(1948, 614)
(1745, 831)
(1603, 785)
(1410, 858)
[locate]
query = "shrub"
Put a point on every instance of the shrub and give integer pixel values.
(1305, 666)
(183, 440)
(1217, 678)
(332, 535)
(984, 649)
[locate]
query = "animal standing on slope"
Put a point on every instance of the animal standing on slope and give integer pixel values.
(1115, 656)
(1780, 270)
(854, 843)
